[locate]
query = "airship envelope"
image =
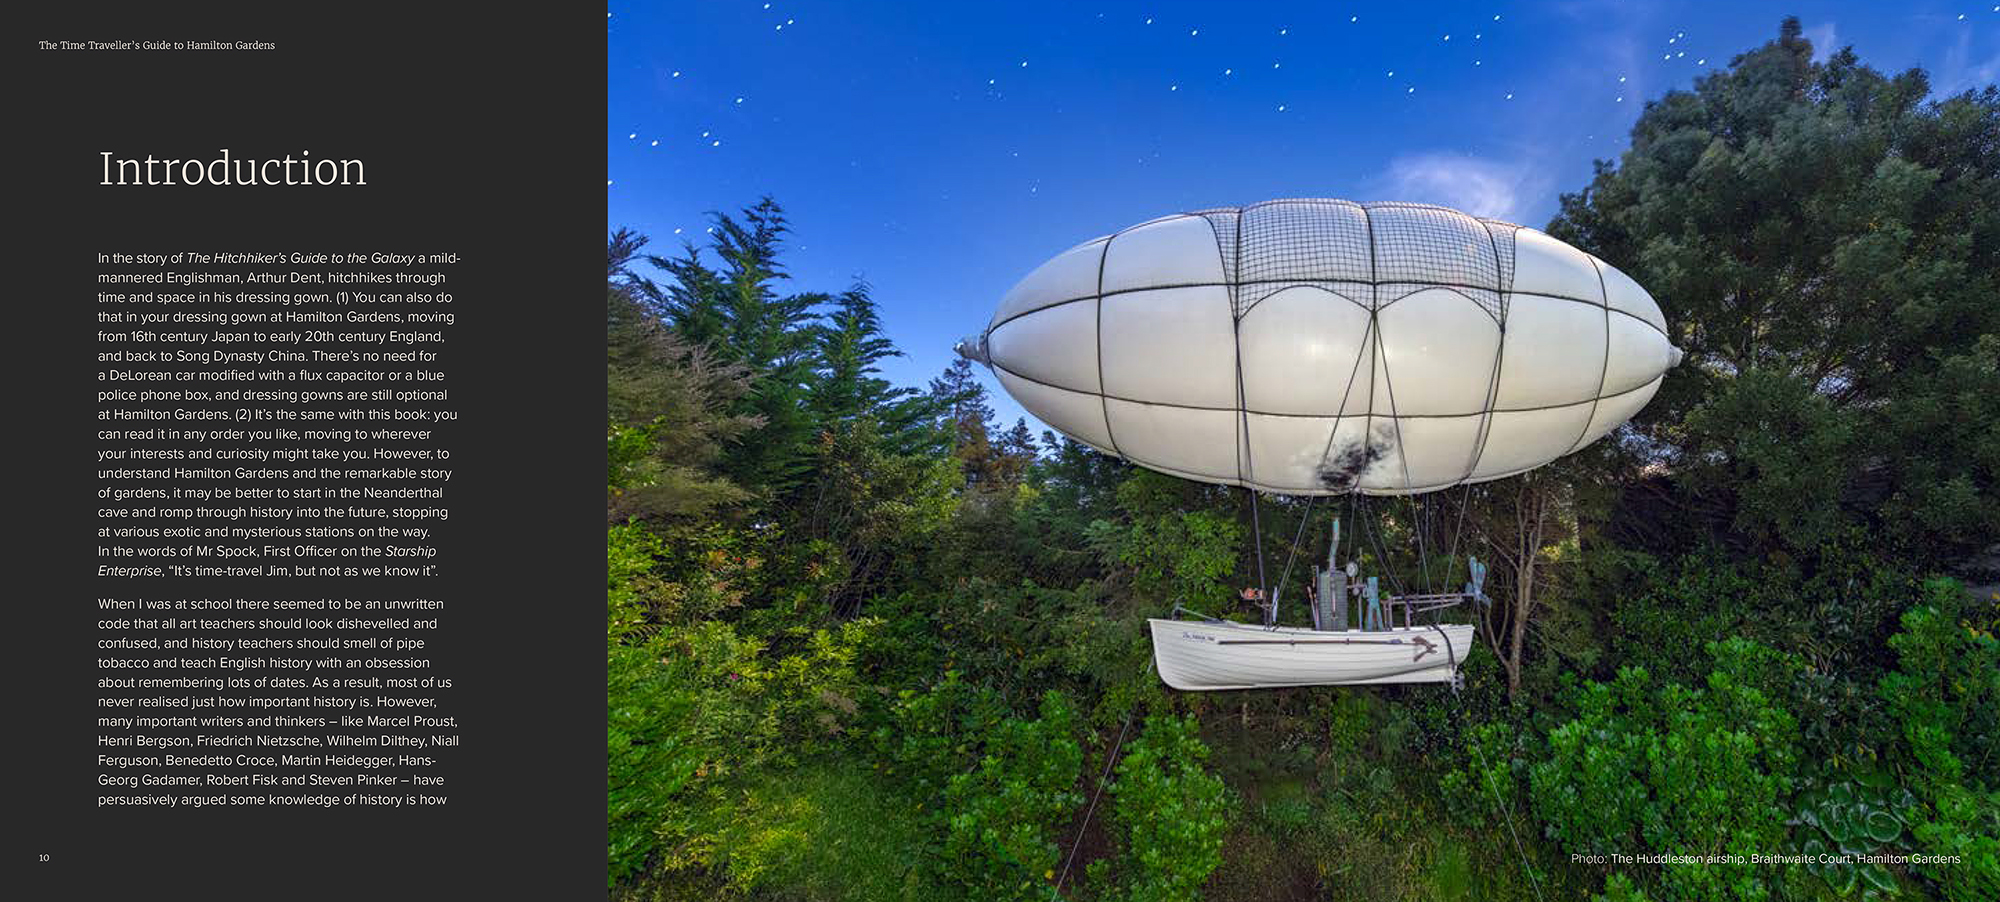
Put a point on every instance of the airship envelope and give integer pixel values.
(1324, 346)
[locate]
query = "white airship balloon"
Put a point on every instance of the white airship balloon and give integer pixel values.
(1322, 346)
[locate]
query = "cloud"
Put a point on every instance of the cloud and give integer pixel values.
(1565, 110)
(1482, 187)
(1825, 40)
(1961, 71)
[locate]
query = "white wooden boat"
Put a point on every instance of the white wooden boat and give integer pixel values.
(1203, 655)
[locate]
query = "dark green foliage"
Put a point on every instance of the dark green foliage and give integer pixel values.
(1003, 816)
(668, 404)
(692, 713)
(1176, 558)
(692, 706)
(1080, 479)
(828, 831)
(1819, 229)
(1170, 815)
(1945, 690)
(932, 734)
(1026, 635)
(1836, 619)
(1018, 444)
(1853, 818)
(1174, 542)
(1620, 888)
(1944, 695)
(1661, 767)
(1783, 449)
(849, 522)
(656, 583)
(650, 763)
(991, 461)
(847, 388)
(737, 312)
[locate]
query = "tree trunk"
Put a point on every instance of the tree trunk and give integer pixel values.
(1529, 519)
(1524, 596)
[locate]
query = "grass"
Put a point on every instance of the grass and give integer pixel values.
(826, 832)
(1351, 816)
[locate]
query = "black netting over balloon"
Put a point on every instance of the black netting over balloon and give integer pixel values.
(1502, 234)
(1445, 349)
(1371, 254)
(1225, 223)
(1304, 241)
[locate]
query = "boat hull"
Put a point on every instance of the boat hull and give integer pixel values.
(1200, 656)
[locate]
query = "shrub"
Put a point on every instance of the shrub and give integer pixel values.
(1943, 695)
(1021, 633)
(1853, 818)
(652, 762)
(831, 830)
(1474, 796)
(1620, 888)
(1003, 816)
(1834, 611)
(934, 734)
(1169, 815)
(671, 576)
(1677, 769)
(690, 708)
(1185, 557)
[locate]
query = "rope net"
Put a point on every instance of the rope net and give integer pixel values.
(1371, 254)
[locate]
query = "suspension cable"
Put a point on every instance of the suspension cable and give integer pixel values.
(1417, 524)
(1257, 531)
(1332, 432)
(1077, 843)
(1409, 485)
(1381, 552)
(1458, 712)
(1505, 810)
(1298, 536)
(1458, 531)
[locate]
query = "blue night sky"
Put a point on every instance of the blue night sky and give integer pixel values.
(942, 150)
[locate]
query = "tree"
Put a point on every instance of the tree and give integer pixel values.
(1078, 479)
(991, 460)
(856, 514)
(968, 419)
(1529, 527)
(737, 313)
(1818, 230)
(668, 404)
(1016, 450)
(620, 250)
(846, 385)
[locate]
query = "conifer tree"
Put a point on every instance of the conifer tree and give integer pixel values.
(1016, 451)
(967, 418)
(668, 410)
(847, 385)
(736, 310)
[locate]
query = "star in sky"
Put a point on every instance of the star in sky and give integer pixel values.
(870, 112)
